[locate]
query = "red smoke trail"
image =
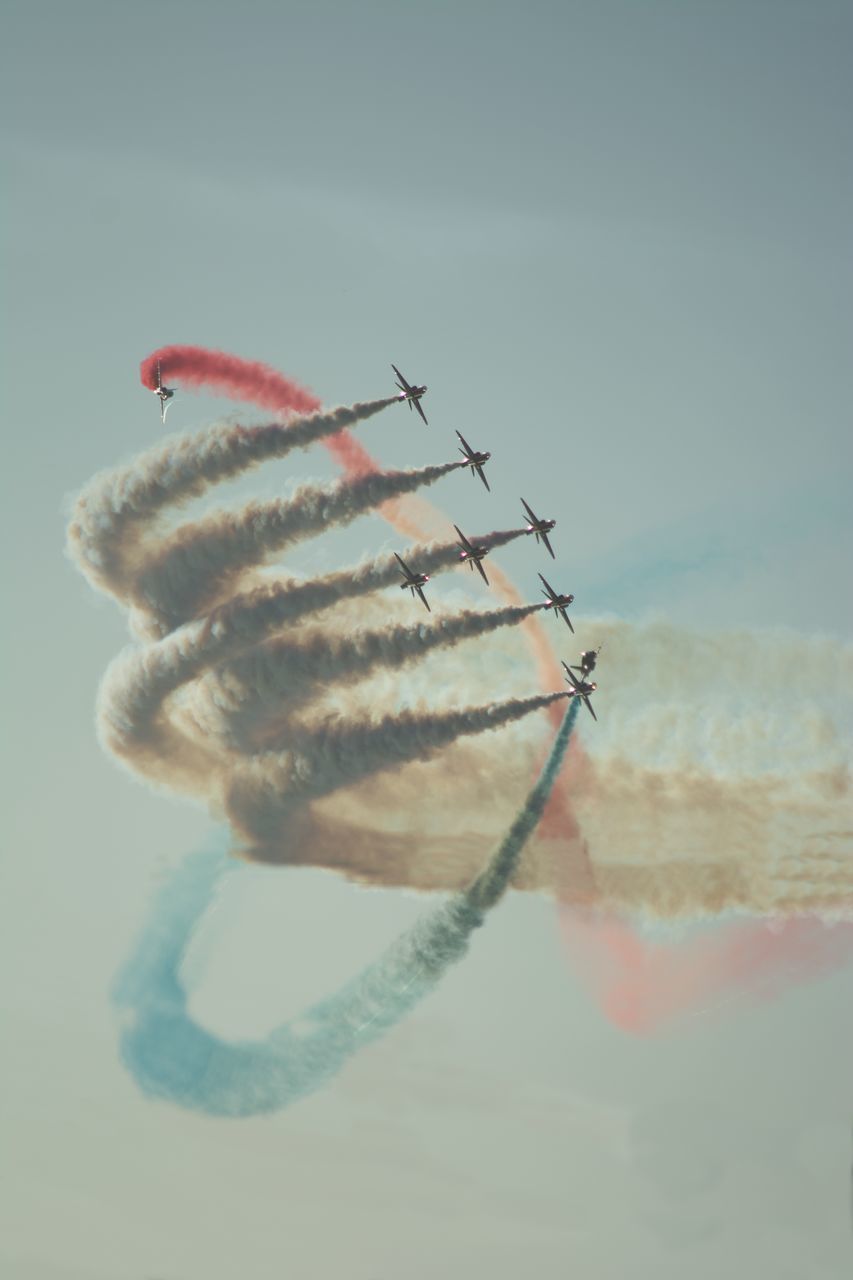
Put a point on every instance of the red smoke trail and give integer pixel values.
(229, 376)
(640, 985)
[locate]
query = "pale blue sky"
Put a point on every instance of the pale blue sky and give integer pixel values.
(615, 240)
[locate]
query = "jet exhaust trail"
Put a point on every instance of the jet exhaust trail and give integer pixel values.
(198, 604)
(118, 507)
(227, 375)
(610, 943)
(287, 671)
(194, 566)
(173, 1059)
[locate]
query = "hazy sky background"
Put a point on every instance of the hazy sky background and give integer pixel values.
(615, 239)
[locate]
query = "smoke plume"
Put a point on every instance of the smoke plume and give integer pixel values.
(173, 1059)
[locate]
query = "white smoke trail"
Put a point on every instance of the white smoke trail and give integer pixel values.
(185, 588)
(174, 1059)
(194, 567)
(118, 505)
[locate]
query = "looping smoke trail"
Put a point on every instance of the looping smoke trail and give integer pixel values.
(118, 507)
(239, 693)
(608, 945)
(248, 380)
(173, 1059)
(196, 588)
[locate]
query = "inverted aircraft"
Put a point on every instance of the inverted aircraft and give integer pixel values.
(411, 393)
(540, 527)
(414, 581)
(473, 459)
(559, 603)
(165, 394)
(587, 662)
(472, 555)
(580, 689)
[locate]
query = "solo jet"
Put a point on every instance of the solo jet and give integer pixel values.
(558, 603)
(165, 393)
(587, 662)
(580, 689)
(476, 461)
(473, 555)
(540, 527)
(410, 393)
(414, 581)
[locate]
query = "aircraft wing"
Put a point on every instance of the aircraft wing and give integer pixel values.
(589, 707)
(479, 565)
(423, 597)
(466, 544)
(544, 538)
(404, 386)
(164, 405)
(406, 570)
(468, 448)
(551, 592)
(567, 621)
(571, 679)
(417, 403)
(482, 476)
(530, 514)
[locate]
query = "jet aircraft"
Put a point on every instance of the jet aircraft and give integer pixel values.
(587, 662)
(414, 581)
(410, 393)
(580, 689)
(165, 393)
(476, 461)
(540, 527)
(473, 555)
(559, 603)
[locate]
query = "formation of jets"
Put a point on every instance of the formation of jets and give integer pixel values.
(473, 554)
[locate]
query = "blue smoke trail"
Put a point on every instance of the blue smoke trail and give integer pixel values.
(172, 1058)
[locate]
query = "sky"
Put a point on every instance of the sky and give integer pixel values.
(615, 242)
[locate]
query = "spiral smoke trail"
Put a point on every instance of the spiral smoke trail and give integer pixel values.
(173, 1059)
(681, 812)
(205, 620)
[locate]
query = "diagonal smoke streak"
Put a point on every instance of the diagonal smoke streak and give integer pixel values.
(139, 681)
(112, 515)
(197, 563)
(320, 759)
(173, 1059)
(284, 671)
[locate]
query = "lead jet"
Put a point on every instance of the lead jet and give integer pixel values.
(472, 555)
(165, 394)
(580, 689)
(540, 527)
(414, 581)
(410, 393)
(476, 461)
(587, 662)
(559, 603)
